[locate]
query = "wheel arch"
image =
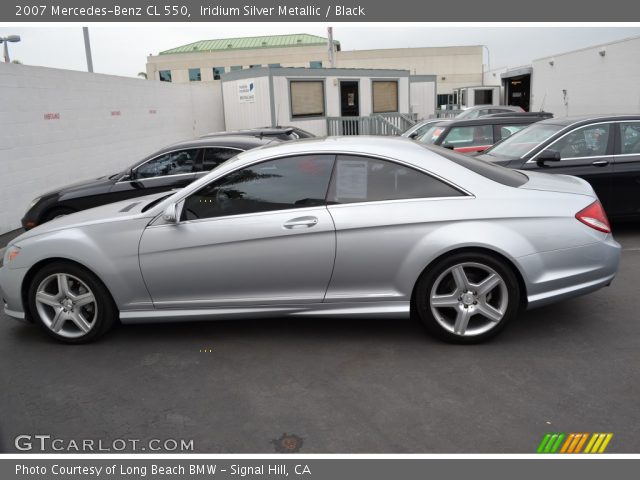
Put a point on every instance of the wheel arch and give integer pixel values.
(477, 249)
(35, 268)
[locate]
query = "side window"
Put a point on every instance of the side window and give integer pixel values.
(630, 138)
(508, 130)
(469, 136)
(216, 156)
(285, 183)
(362, 179)
(172, 163)
(589, 141)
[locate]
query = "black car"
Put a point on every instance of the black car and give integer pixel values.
(172, 167)
(472, 136)
(604, 150)
(281, 133)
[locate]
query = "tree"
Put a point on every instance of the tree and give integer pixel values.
(142, 75)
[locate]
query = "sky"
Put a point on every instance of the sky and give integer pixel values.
(122, 50)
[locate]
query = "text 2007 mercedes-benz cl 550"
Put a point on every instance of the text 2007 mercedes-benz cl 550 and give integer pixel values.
(366, 226)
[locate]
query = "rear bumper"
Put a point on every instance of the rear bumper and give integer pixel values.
(561, 274)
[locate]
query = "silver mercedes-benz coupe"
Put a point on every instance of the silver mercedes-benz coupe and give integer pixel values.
(352, 227)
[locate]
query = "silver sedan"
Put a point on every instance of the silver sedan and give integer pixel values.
(351, 227)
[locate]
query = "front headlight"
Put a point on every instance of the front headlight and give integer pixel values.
(7, 255)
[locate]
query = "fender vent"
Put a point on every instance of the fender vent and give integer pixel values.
(129, 207)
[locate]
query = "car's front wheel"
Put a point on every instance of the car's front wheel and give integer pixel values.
(467, 297)
(70, 303)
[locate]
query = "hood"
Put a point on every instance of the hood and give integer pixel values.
(111, 212)
(80, 186)
(551, 182)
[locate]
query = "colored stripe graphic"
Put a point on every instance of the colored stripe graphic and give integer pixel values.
(574, 442)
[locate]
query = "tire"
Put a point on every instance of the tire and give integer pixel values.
(57, 212)
(467, 297)
(70, 303)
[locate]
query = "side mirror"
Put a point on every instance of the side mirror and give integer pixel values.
(548, 156)
(170, 214)
(413, 135)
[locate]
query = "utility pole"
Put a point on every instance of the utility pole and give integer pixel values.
(87, 48)
(332, 55)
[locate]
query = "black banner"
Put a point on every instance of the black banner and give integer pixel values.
(317, 11)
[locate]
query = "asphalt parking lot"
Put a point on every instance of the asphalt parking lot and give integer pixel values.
(339, 386)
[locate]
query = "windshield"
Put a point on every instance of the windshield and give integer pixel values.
(431, 135)
(518, 144)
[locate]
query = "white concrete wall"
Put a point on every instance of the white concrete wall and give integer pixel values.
(594, 83)
(62, 126)
(423, 102)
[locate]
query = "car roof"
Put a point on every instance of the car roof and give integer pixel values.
(264, 131)
(358, 144)
(584, 119)
(244, 142)
(510, 120)
(503, 107)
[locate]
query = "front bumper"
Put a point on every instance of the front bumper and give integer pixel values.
(566, 273)
(10, 291)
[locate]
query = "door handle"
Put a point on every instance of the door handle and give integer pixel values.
(301, 222)
(600, 163)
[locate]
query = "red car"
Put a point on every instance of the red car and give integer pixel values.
(472, 136)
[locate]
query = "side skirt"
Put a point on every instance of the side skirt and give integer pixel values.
(371, 310)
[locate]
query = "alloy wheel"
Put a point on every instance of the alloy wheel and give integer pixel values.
(469, 299)
(66, 305)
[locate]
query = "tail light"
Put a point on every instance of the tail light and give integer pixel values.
(595, 217)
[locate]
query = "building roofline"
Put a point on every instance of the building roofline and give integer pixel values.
(583, 49)
(320, 41)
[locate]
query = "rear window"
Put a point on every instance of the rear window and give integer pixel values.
(497, 173)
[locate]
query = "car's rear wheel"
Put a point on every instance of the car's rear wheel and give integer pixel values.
(467, 297)
(70, 303)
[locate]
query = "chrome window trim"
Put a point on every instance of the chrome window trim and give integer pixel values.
(466, 193)
(239, 150)
(627, 155)
(303, 209)
(533, 159)
(173, 151)
(339, 152)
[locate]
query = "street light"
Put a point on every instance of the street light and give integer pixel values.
(6, 40)
(488, 62)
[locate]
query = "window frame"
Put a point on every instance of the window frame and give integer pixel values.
(324, 99)
(442, 137)
(183, 200)
(170, 76)
(385, 80)
(618, 146)
(210, 147)
(464, 194)
(197, 162)
(224, 70)
(608, 151)
(189, 70)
